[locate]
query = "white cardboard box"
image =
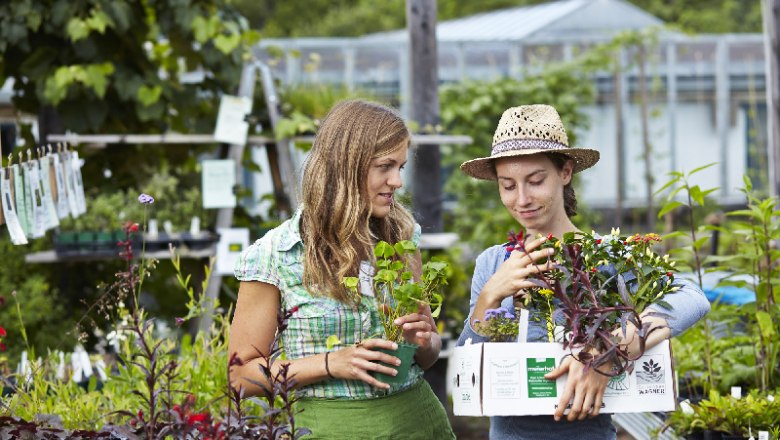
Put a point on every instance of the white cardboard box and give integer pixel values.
(506, 379)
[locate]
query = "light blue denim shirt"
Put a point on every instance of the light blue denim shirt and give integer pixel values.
(689, 304)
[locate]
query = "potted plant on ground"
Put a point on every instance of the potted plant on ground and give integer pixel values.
(399, 292)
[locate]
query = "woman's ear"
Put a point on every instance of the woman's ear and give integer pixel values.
(567, 171)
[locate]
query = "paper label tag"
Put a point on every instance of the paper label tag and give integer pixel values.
(11, 220)
(51, 220)
(366, 279)
(70, 185)
(22, 208)
(78, 183)
(63, 210)
(33, 179)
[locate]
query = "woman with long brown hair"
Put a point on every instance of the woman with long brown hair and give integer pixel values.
(348, 198)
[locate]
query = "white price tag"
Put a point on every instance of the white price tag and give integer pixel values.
(366, 279)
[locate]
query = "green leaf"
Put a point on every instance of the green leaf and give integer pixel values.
(696, 194)
(332, 341)
(668, 207)
(383, 249)
(351, 282)
(200, 29)
(764, 320)
(227, 43)
(700, 242)
(149, 95)
(674, 234)
(696, 170)
(99, 21)
(666, 185)
(404, 247)
(77, 29)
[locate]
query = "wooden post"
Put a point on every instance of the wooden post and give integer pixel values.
(771, 12)
(423, 70)
(619, 138)
(246, 88)
(647, 147)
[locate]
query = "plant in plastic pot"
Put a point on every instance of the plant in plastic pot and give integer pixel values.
(399, 291)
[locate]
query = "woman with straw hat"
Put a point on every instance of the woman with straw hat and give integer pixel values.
(533, 164)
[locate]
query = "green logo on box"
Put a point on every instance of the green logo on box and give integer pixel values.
(538, 386)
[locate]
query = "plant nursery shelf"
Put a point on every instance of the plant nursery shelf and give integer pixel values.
(52, 256)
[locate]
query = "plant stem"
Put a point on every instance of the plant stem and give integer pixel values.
(707, 324)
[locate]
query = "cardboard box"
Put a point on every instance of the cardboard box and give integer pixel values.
(507, 379)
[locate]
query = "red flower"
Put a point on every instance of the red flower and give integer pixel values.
(2, 347)
(2, 331)
(133, 227)
(669, 274)
(197, 418)
(598, 241)
(549, 236)
(593, 269)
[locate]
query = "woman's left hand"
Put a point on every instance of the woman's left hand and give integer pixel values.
(585, 391)
(418, 328)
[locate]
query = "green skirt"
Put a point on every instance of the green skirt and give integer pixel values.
(412, 414)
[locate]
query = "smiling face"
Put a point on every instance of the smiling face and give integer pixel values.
(531, 188)
(384, 177)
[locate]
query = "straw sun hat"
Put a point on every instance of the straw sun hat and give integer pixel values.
(529, 129)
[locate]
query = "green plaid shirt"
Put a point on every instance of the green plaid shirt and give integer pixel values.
(277, 259)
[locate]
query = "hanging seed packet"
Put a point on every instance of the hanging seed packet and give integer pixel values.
(11, 220)
(78, 182)
(33, 179)
(51, 220)
(23, 211)
(67, 169)
(63, 210)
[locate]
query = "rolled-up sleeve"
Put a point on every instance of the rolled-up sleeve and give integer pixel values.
(687, 306)
(258, 263)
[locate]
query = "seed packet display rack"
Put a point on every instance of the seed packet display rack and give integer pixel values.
(41, 188)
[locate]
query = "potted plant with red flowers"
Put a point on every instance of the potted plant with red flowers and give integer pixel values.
(600, 285)
(399, 293)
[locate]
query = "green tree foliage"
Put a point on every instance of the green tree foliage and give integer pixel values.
(39, 303)
(349, 17)
(707, 16)
(358, 17)
(127, 62)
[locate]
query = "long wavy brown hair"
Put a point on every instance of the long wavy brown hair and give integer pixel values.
(336, 225)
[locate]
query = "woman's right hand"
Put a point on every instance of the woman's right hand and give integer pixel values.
(512, 276)
(358, 361)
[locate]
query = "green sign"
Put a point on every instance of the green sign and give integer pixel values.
(538, 386)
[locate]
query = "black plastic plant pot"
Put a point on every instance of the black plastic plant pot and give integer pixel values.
(405, 352)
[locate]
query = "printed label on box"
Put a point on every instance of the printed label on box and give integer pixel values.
(618, 386)
(538, 386)
(650, 375)
(505, 378)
